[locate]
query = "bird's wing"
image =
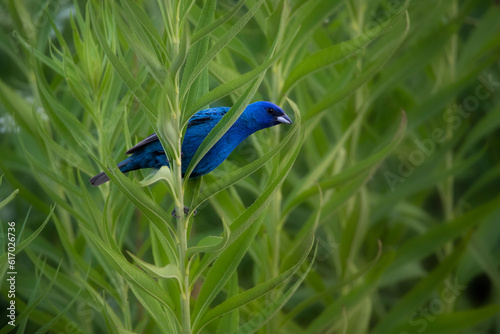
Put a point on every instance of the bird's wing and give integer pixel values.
(143, 143)
(198, 120)
(212, 115)
(208, 117)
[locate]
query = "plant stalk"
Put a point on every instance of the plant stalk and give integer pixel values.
(182, 230)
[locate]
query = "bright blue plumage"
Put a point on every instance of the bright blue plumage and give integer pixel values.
(150, 154)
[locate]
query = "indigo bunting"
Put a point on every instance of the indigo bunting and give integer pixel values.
(149, 153)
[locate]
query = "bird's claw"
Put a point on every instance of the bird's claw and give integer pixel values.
(186, 212)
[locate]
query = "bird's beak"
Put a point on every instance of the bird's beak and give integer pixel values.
(284, 119)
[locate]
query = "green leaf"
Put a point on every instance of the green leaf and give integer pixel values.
(55, 319)
(200, 33)
(242, 235)
(277, 50)
(67, 124)
(484, 127)
(211, 243)
(485, 32)
(9, 198)
(354, 296)
(321, 166)
(259, 290)
(371, 163)
(125, 74)
(54, 65)
(66, 154)
(451, 323)
(247, 218)
(17, 107)
(323, 294)
(158, 313)
(336, 94)
(143, 47)
(125, 331)
(168, 271)
(136, 278)
(23, 244)
(228, 87)
(196, 53)
(410, 62)
(101, 303)
(149, 207)
(268, 312)
(216, 48)
(164, 173)
(419, 247)
(31, 306)
(419, 293)
(230, 321)
(341, 51)
(147, 26)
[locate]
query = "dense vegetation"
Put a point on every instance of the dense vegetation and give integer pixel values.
(377, 211)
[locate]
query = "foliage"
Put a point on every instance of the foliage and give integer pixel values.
(375, 212)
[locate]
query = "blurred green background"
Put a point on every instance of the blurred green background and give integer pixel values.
(392, 166)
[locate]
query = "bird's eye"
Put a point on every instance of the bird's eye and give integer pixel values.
(270, 110)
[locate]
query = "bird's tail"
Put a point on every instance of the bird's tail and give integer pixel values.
(101, 178)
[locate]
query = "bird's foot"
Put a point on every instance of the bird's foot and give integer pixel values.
(186, 212)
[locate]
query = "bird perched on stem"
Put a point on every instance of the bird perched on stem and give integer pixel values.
(149, 153)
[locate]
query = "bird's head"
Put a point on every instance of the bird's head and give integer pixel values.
(266, 114)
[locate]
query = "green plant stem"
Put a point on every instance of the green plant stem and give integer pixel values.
(182, 228)
(448, 183)
(182, 222)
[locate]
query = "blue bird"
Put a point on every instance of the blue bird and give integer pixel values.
(149, 153)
